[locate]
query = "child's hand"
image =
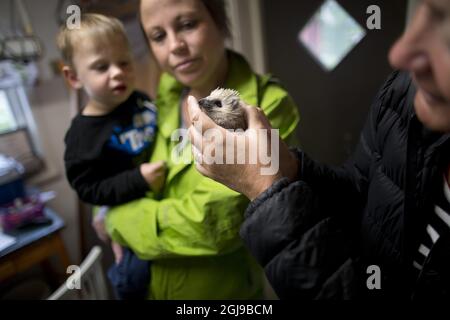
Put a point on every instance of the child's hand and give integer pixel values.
(117, 251)
(98, 223)
(154, 173)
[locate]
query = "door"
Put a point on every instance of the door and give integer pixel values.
(333, 104)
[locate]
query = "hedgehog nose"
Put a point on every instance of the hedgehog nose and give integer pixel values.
(204, 103)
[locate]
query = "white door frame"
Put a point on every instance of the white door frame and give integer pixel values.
(247, 31)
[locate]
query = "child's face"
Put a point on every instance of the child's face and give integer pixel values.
(105, 70)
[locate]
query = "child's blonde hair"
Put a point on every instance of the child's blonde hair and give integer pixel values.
(92, 25)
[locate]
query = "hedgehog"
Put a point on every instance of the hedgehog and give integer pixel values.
(223, 106)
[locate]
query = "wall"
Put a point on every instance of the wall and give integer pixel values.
(247, 31)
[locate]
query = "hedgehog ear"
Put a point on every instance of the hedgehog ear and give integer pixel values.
(234, 101)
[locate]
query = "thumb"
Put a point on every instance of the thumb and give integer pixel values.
(193, 109)
(160, 164)
(155, 165)
(199, 119)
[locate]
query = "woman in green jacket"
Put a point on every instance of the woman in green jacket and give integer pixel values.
(190, 229)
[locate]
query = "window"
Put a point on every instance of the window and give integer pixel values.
(15, 112)
(7, 121)
(18, 132)
(331, 34)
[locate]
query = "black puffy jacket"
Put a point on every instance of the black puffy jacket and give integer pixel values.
(317, 237)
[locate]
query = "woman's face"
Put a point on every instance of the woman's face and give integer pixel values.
(185, 40)
(424, 50)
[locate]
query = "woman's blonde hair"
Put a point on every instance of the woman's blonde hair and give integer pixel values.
(92, 26)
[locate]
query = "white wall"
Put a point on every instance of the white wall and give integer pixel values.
(247, 31)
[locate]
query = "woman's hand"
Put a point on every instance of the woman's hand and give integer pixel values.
(248, 162)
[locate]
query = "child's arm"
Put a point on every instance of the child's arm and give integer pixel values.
(91, 173)
(96, 189)
(128, 185)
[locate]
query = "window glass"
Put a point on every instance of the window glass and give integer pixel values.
(7, 120)
(331, 34)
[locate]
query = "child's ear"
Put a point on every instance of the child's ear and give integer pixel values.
(72, 77)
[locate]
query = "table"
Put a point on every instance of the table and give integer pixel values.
(34, 245)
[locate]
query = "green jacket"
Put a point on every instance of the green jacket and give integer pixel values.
(190, 230)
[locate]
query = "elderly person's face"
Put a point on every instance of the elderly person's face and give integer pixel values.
(424, 50)
(184, 39)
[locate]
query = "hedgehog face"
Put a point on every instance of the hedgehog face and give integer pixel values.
(207, 103)
(223, 106)
(221, 98)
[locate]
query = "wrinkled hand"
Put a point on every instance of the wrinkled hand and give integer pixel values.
(155, 174)
(247, 176)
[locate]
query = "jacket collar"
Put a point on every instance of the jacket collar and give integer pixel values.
(431, 139)
(168, 104)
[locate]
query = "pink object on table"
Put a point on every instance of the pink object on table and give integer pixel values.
(20, 212)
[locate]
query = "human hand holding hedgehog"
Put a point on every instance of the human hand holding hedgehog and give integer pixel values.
(223, 110)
